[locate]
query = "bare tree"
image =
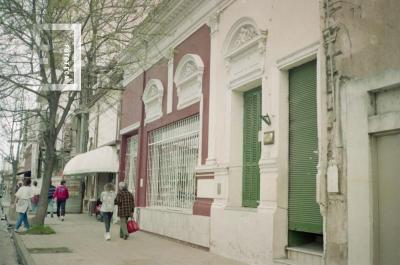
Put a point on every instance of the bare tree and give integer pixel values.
(13, 121)
(34, 58)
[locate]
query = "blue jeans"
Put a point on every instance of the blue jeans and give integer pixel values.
(23, 217)
(34, 207)
(50, 206)
(107, 216)
(60, 208)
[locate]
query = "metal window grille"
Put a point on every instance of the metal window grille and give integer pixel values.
(127, 158)
(172, 159)
(131, 162)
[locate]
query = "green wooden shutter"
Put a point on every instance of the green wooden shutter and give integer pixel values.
(251, 148)
(304, 214)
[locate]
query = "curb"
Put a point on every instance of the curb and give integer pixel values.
(22, 251)
(24, 257)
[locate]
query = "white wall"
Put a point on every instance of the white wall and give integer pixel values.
(108, 119)
(255, 236)
(357, 126)
(106, 108)
(242, 234)
(190, 228)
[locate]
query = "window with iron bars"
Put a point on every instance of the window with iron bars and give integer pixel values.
(131, 162)
(172, 159)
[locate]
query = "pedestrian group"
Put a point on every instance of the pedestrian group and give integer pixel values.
(27, 197)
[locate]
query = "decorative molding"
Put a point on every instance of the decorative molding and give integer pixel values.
(269, 165)
(169, 53)
(299, 57)
(152, 98)
(245, 34)
(187, 21)
(189, 80)
(384, 122)
(213, 23)
(170, 87)
(130, 128)
(244, 52)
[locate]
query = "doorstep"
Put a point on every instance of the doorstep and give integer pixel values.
(309, 254)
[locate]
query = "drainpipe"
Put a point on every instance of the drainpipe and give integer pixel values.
(142, 160)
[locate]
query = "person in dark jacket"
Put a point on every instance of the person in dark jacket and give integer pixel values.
(61, 195)
(50, 200)
(126, 207)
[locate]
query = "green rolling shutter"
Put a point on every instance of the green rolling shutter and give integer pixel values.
(304, 214)
(251, 148)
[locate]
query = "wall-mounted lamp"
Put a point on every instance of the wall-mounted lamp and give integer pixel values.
(266, 119)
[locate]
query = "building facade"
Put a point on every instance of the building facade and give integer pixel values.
(363, 70)
(268, 132)
(88, 172)
(223, 126)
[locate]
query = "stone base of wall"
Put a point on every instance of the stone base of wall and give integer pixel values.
(187, 227)
(242, 234)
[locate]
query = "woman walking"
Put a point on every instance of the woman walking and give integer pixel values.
(126, 207)
(61, 195)
(23, 195)
(107, 198)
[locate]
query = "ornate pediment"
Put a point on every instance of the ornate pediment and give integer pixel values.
(243, 35)
(152, 91)
(244, 52)
(189, 80)
(188, 69)
(152, 98)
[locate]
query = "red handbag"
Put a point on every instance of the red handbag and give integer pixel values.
(132, 226)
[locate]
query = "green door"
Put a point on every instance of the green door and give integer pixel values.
(304, 214)
(251, 148)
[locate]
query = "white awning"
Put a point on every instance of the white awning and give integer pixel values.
(103, 159)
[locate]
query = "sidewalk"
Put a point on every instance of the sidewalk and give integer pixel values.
(8, 255)
(83, 236)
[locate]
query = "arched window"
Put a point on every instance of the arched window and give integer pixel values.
(189, 80)
(152, 98)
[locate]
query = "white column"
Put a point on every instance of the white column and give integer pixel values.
(268, 183)
(213, 21)
(170, 88)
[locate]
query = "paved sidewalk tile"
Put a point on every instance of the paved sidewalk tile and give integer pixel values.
(84, 236)
(7, 251)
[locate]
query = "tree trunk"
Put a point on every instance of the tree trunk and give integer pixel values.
(11, 210)
(50, 160)
(43, 200)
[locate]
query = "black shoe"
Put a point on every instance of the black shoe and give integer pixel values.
(126, 237)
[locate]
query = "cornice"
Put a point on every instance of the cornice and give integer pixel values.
(178, 21)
